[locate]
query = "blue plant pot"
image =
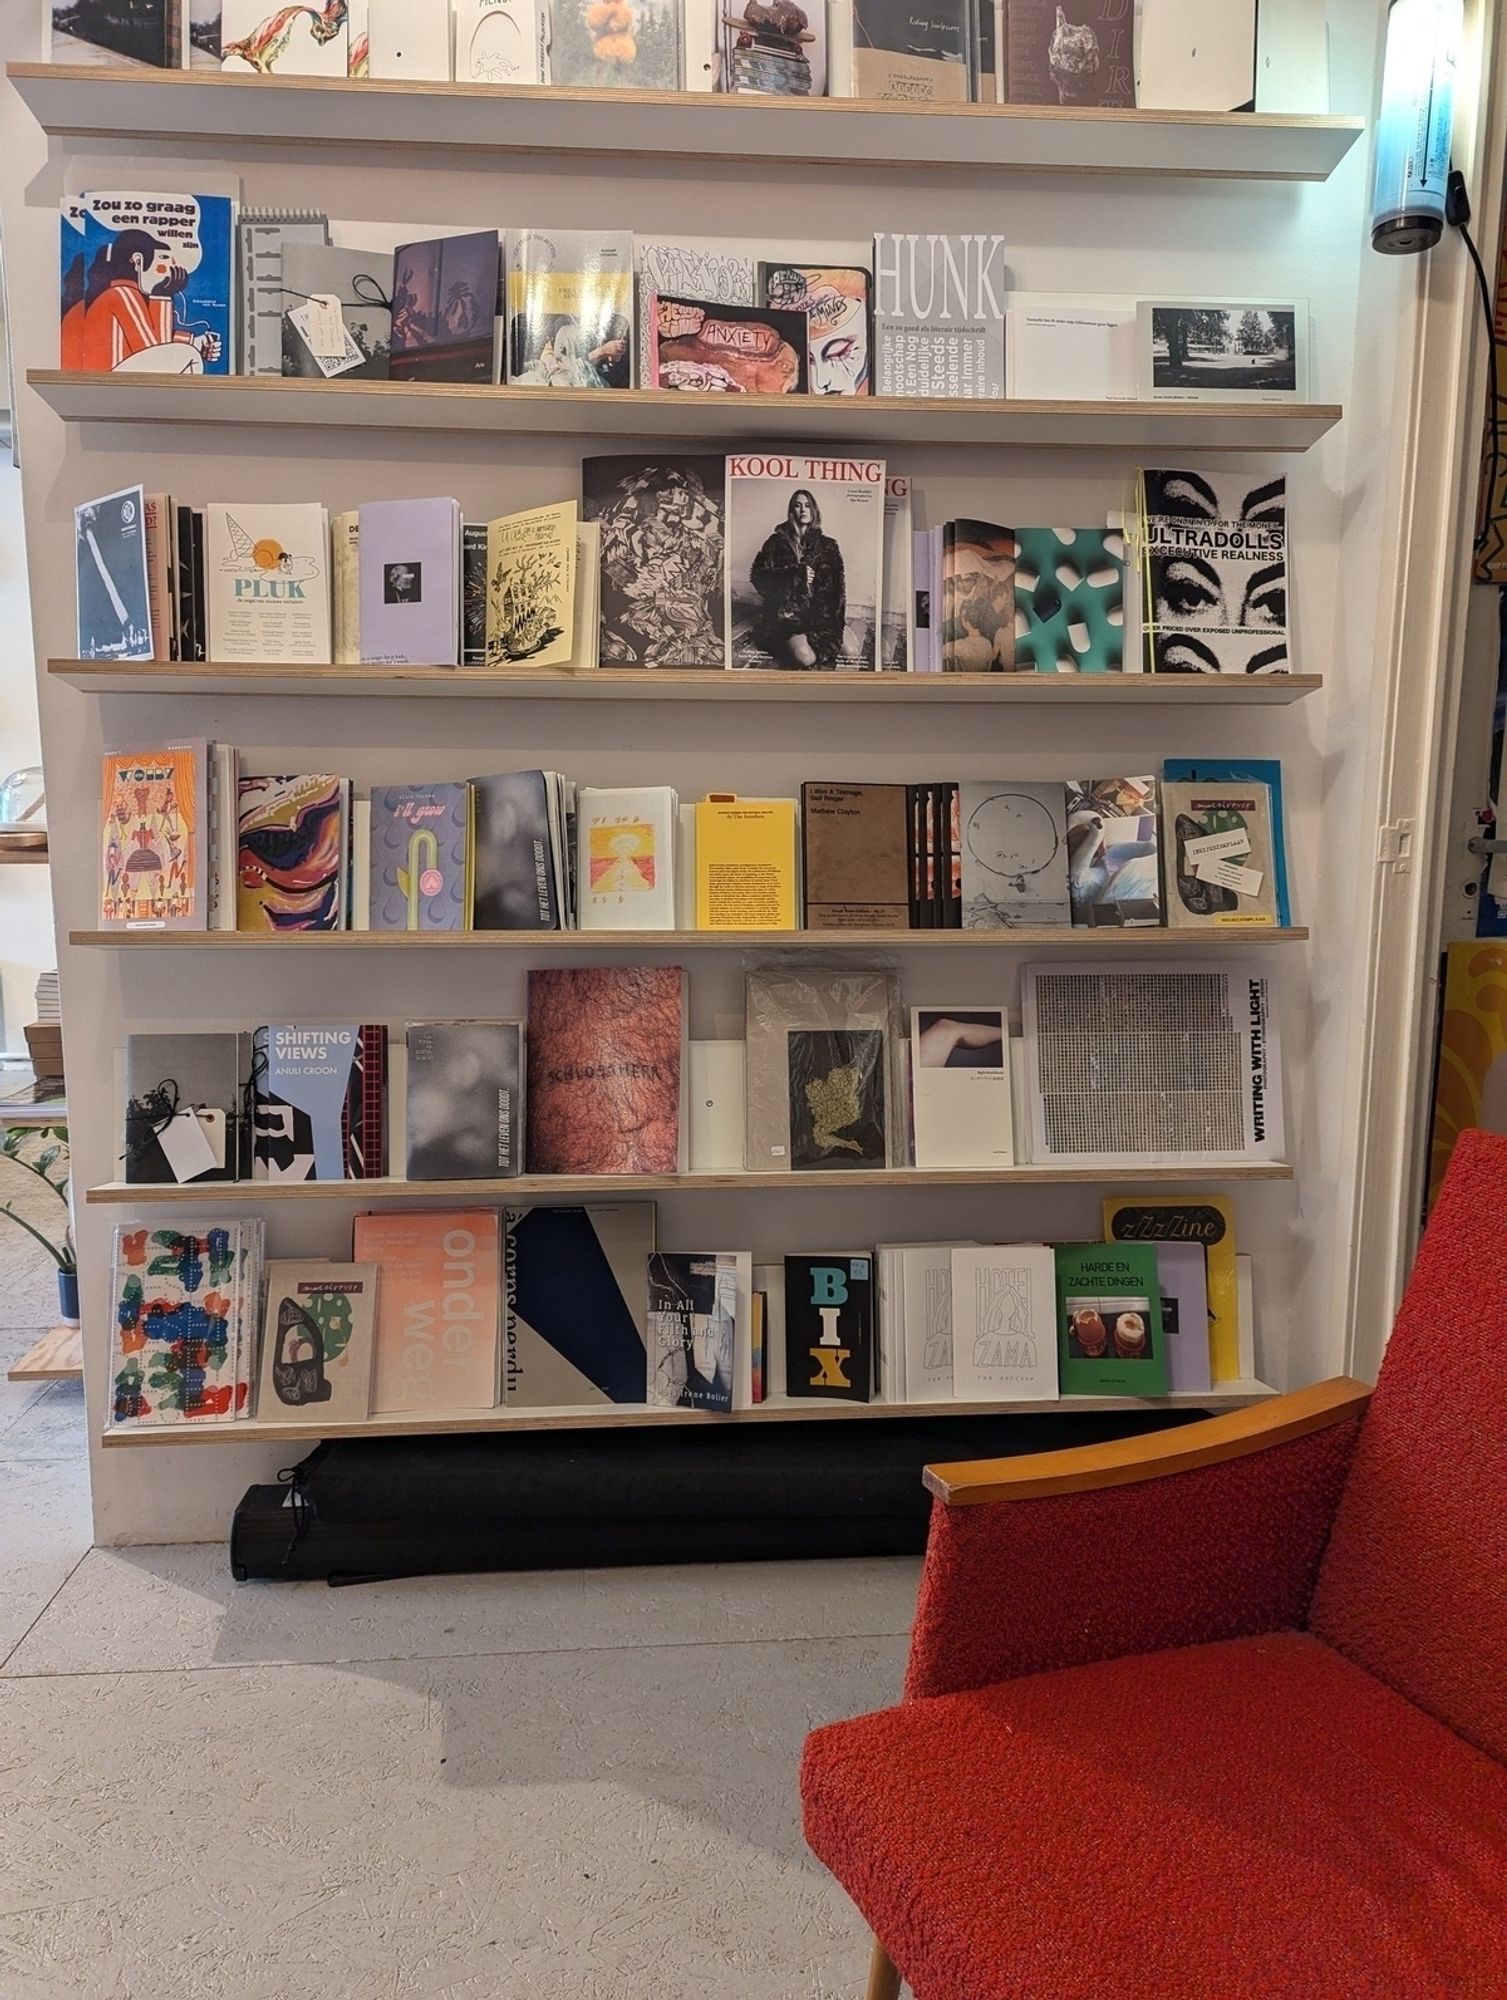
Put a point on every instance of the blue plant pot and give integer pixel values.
(68, 1297)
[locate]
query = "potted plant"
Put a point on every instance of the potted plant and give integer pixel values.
(55, 1147)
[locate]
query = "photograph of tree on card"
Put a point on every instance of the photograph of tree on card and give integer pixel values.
(1234, 353)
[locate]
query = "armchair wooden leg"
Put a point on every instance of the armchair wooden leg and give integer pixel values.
(884, 1980)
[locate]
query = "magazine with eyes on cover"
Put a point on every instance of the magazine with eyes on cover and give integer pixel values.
(1213, 561)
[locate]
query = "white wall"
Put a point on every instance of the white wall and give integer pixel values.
(26, 946)
(1067, 234)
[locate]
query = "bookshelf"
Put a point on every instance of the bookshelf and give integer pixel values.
(845, 422)
(77, 100)
(1111, 941)
(130, 1194)
(633, 1416)
(656, 684)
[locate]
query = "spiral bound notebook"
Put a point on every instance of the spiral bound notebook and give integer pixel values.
(261, 235)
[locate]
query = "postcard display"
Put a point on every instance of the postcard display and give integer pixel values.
(765, 745)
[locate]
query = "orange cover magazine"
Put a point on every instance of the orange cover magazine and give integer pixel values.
(439, 1304)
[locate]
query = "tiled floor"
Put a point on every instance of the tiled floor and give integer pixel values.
(563, 1787)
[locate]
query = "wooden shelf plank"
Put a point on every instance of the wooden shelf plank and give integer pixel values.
(1113, 940)
(22, 857)
(844, 422)
(124, 1194)
(623, 1416)
(180, 677)
(57, 1357)
(119, 103)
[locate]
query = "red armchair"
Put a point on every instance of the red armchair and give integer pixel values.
(1220, 1712)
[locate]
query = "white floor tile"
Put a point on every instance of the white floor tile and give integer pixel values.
(586, 1826)
(44, 1531)
(50, 1424)
(178, 1607)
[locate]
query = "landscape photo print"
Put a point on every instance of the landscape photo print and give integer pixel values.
(1248, 352)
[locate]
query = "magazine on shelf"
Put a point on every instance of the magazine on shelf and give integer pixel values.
(805, 551)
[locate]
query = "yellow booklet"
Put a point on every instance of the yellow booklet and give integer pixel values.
(1205, 1219)
(531, 587)
(745, 864)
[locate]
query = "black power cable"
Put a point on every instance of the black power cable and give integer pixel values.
(1457, 214)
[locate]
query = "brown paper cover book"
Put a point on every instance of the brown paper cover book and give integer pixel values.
(856, 857)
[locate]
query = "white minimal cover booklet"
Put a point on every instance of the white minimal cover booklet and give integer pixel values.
(960, 1087)
(1004, 1323)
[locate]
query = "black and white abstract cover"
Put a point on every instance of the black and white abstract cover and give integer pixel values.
(663, 523)
(110, 559)
(465, 1100)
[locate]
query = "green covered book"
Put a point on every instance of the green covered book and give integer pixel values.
(1109, 1320)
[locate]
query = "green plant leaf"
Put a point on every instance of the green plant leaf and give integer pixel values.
(58, 1257)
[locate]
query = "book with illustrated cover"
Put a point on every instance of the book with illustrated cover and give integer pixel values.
(1113, 859)
(576, 1308)
(662, 524)
(351, 341)
(960, 1087)
(805, 552)
(185, 1107)
(112, 583)
(146, 283)
(919, 55)
(501, 41)
(1109, 1320)
(1244, 771)
(320, 1103)
(612, 45)
(410, 571)
(473, 585)
(465, 1100)
(1081, 52)
(439, 1308)
(829, 1327)
(1004, 1323)
(704, 346)
(1214, 573)
(1221, 865)
(421, 858)
(154, 816)
(899, 607)
(570, 309)
(746, 867)
(855, 857)
(770, 51)
(688, 267)
(978, 598)
(318, 1336)
(605, 1052)
(531, 587)
(444, 304)
(1209, 1222)
(148, 32)
(260, 38)
(625, 866)
(835, 300)
(267, 583)
(821, 1070)
(292, 839)
(184, 1300)
(1070, 600)
(1015, 855)
(939, 316)
(695, 1326)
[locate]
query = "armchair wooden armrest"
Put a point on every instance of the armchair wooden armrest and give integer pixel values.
(1126, 1461)
(1212, 1531)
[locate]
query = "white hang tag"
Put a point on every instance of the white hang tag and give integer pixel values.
(1230, 875)
(186, 1147)
(326, 334)
(1218, 846)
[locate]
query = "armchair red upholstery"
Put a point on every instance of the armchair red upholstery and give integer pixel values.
(1160, 1741)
